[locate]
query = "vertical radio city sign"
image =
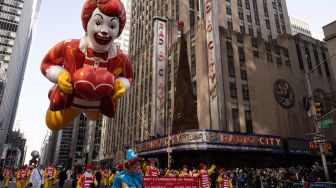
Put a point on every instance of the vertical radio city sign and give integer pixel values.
(216, 90)
(159, 68)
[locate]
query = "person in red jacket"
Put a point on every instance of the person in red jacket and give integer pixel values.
(151, 170)
(21, 177)
(88, 179)
(204, 174)
(7, 175)
(223, 180)
(90, 73)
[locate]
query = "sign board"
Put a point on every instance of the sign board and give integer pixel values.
(214, 64)
(159, 71)
(216, 140)
(302, 146)
(181, 182)
(326, 123)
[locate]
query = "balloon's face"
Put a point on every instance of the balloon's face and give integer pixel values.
(102, 30)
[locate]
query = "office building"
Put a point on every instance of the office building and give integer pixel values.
(16, 25)
(123, 40)
(248, 83)
(299, 26)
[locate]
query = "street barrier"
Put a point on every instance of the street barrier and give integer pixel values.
(323, 185)
(170, 182)
(290, 184)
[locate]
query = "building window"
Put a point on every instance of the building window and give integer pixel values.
(278, 61)
(241, 54)
(317, 61)
(298, 51)
(246, 95)
(309, 62)
(233, 90)
(239, 37)
(243, 74)
(248, 121)
(228, 10)
(269, 57)
(231, 67)
(235, 120)
(230, 25)
(326, 64)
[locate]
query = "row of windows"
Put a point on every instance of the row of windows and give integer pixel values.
(8, 26)
(233, 87)
(307, 55)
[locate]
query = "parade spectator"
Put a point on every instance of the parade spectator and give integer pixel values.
(1, 174)
(37, 177)
(62, 177)
(98, 175)
(185, 172)
(69, 174)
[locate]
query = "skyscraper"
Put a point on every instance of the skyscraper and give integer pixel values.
(242, 58)
(299, 26)
(123, 40)
(16, 22)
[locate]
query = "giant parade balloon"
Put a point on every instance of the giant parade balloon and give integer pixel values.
(91, 73)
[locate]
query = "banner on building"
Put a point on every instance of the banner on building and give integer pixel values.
(159, 68)
(212, 140)
(216, 90)
(182, 182)
(304, 146)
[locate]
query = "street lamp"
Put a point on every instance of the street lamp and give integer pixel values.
(313, 112)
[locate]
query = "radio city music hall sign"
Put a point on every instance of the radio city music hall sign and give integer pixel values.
(219, 138)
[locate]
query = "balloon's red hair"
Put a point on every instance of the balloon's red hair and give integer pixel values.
(113, 8)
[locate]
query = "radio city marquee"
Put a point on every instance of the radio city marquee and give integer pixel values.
(213, 140)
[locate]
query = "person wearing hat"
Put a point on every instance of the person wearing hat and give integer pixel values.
(223, 180)
(50, 175)
(7, 174)
(21, 177)
(37, 177)
(204, 174)
(132, 177)
(151, 170)
(88, 179)
(185, 172)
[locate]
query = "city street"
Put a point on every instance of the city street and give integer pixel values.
(66, 185)
(143, 93)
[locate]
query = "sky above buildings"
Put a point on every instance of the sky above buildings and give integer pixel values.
(60, 20)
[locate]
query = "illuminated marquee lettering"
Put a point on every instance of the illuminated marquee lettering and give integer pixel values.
(159, 62)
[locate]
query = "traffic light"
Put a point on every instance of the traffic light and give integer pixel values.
(318, 109)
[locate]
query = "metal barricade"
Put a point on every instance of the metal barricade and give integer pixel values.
(323, 185)
(290, 184)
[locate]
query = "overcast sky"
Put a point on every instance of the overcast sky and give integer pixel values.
(60, 20)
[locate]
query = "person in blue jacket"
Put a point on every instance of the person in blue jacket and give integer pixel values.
(132, 177)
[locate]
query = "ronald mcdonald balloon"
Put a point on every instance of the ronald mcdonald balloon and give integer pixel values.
(91, 73)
